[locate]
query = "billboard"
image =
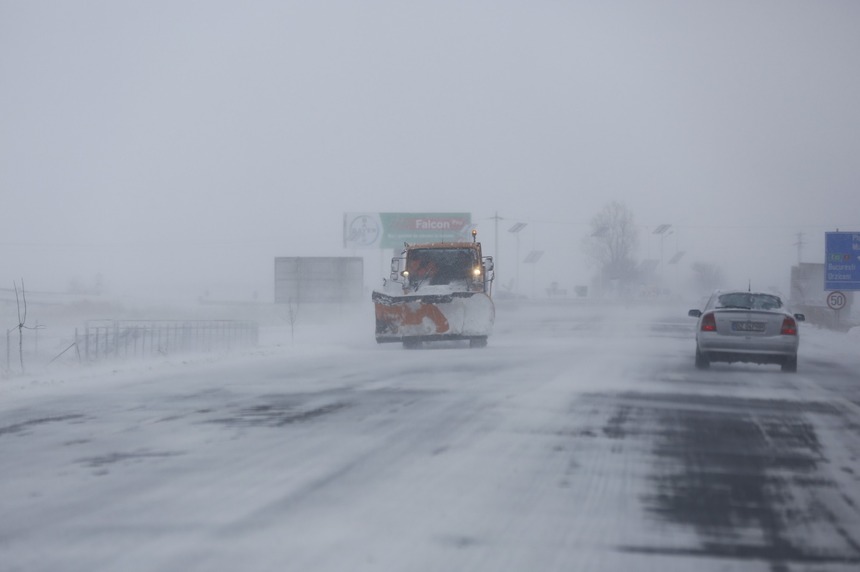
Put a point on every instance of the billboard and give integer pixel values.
(330, 279)
(842, 261)
(807, 286)
(391, 230)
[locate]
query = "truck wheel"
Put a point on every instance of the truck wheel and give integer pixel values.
(478, 342)
(411, 344)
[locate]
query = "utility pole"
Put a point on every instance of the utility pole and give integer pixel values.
(799, 244)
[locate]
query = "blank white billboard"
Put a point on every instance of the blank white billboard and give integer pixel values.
(330, 279)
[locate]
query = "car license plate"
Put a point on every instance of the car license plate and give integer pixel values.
(748, 326)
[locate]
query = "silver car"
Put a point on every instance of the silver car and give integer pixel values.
(752, 327)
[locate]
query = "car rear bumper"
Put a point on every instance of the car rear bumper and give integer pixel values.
(770, 349)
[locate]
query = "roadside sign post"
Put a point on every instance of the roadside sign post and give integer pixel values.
(836, 301)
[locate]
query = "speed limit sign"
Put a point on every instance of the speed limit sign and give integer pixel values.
(836, 300)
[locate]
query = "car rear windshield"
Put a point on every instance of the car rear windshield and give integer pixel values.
(748, 301)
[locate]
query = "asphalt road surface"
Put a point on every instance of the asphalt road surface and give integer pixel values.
(581, 438)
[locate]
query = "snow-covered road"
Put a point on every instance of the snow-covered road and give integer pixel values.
(581, 438)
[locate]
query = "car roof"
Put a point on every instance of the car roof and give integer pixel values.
(750, 292)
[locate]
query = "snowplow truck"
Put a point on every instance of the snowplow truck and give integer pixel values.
(437, 291)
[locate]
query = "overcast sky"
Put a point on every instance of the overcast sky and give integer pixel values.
(183, 145)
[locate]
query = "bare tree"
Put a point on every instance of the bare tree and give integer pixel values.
(22, 324)
(612, 242)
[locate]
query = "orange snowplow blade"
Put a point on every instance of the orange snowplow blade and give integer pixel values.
(458, 315)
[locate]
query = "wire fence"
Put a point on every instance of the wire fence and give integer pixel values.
(104, 339)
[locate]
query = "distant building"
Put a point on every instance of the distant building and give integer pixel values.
(807, 285)
(809, 296)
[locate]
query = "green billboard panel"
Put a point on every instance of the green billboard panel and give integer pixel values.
(392, 230)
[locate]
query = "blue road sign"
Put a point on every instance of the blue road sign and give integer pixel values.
(842, 261)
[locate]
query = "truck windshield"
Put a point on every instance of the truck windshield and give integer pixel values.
(439, 265)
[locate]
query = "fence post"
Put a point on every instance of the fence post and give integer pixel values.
(145, 337)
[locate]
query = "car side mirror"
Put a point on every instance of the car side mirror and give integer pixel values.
(694, 313)
(800, 317)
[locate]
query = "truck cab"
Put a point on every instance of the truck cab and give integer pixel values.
(436, 291)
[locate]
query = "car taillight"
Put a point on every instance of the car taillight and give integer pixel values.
(709, 323)
(789, 327)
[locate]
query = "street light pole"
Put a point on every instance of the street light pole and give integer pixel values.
(661, 230)
(496, 220)
(516, 230)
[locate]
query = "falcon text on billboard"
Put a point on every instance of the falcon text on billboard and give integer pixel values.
(392, 230)
(432, 224)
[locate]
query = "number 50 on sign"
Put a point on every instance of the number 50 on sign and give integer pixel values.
(836, 300)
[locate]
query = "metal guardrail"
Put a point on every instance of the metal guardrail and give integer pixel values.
(103, 339)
